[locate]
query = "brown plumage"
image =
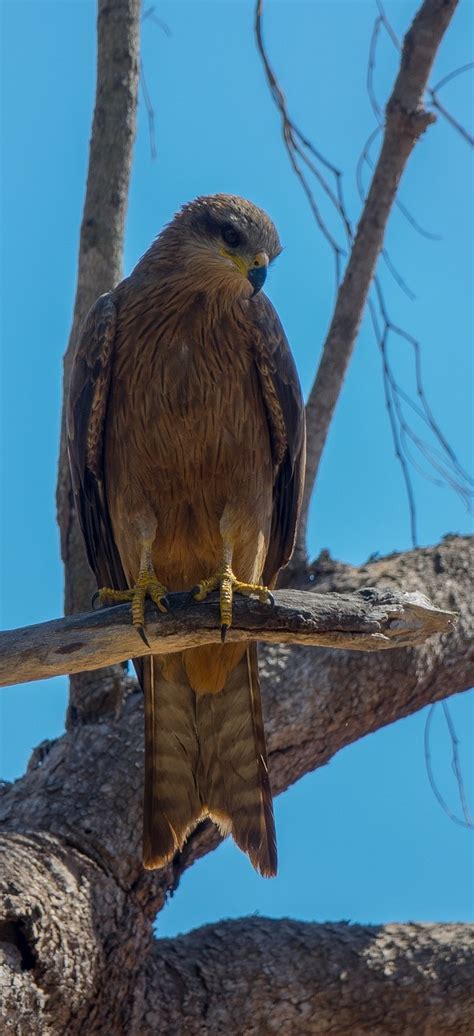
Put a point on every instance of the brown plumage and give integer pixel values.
(186, 441)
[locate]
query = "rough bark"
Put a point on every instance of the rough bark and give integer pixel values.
(246, 977)
(365, 620)
(406, 121)
(72, 825)
(100, 265)
(255, 976)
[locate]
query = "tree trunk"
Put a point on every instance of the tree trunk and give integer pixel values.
(99, 270)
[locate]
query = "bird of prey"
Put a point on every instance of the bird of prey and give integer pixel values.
(187, 444)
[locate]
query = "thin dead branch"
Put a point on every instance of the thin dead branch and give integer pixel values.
(150, 111)
(466, 820)
(365, 620)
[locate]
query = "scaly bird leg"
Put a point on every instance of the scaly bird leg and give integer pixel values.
(228, 584)
(147, 585)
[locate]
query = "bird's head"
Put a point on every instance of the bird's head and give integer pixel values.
(223, 243)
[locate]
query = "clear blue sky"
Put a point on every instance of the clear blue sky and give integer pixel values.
(377, 846)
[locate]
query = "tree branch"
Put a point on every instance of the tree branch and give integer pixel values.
(257, 975)
(95, 771)
(366, 620)
(77, 904)
(406, 121)
(60, 957)
(100, 255)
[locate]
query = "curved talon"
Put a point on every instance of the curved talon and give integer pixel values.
(191, 596)
(147, 585)
(161, 601)
(95, 597)
(228, 584)
(143, 635)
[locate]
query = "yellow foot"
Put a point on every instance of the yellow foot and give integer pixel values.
(147, 585)
(228, 585)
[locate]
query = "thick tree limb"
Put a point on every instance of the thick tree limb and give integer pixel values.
(75, 896)
(406, 121)
(70, 938)
(56, 970)
(316, 700)
(365, 620)
(256, 976)
(60, 957)
(100, 260)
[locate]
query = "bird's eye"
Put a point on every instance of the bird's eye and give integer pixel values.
(231, 236)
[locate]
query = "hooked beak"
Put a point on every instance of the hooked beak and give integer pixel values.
(257, 273)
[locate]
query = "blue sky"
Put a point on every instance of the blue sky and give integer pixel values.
(377, 845)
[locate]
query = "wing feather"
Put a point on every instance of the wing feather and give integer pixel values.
(286, 417)
(86, 421)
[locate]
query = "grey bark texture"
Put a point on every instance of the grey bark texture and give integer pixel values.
(332, 979)
(77, 905)
(406, 121)
(365, 620)
(250, 977)
(99, 269)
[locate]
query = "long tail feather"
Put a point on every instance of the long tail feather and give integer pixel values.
(205, 756)
(172, 805)
(233, 774)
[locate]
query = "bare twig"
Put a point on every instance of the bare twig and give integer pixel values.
(406, 121)
(365, 159)
(150, 111)
(431, 90)
(371, 69)
(404, 436)
(388, 26)
(329, 380)
(435, 101)
(149, 14)
(467, 821)
(443, 460)
(365, 620)
(452, 75)
(381, 338)
(297, 147)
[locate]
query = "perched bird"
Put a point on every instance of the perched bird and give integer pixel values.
(187, 443)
